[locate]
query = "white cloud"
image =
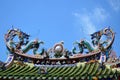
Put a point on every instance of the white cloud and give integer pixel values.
(99, 14)
(85, 23)
(88, 20)
(115, 4)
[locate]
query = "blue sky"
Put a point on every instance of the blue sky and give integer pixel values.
(59, 20)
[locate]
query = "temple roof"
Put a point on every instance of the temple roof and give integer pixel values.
(63, 64)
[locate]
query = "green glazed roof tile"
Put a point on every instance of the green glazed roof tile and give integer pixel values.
(81, 72)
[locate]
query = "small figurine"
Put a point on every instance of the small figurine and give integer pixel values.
(83, 45)
(36, 45)
(96, 37)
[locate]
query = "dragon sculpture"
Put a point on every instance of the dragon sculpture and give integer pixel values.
(23, 45)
